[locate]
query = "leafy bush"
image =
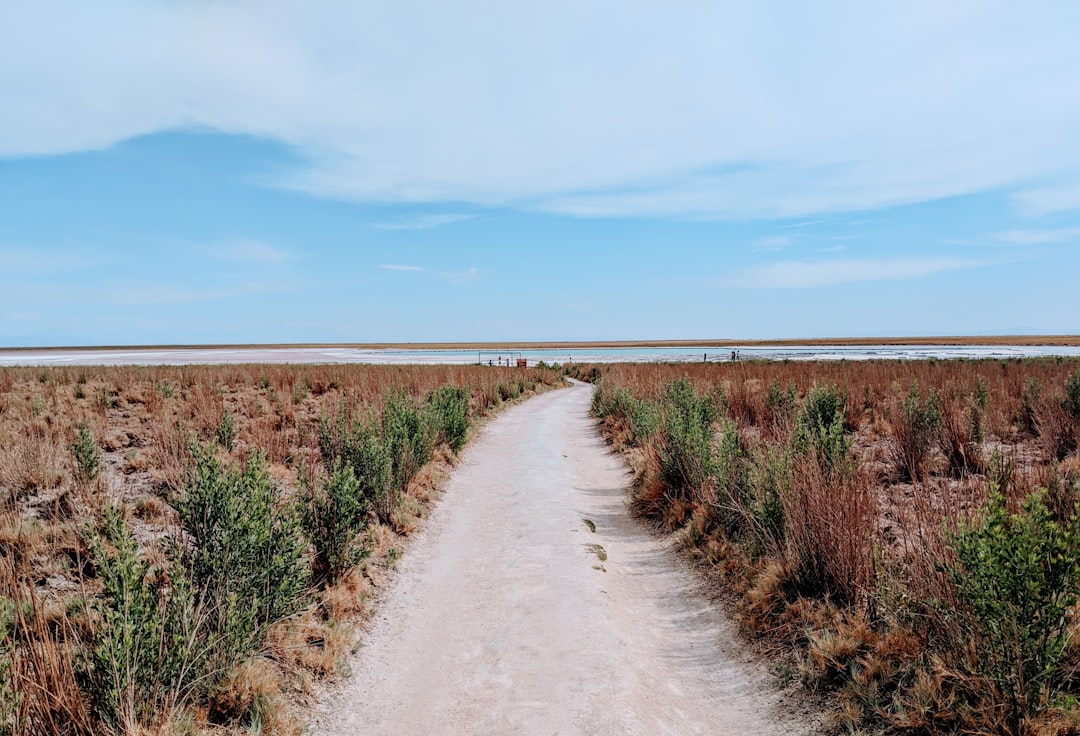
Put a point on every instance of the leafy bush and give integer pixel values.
(1016, 577)
(819, 430)
(226, 431)
(140, 662)
(641, 416)
(408, 440)
(449, 411)
(334, 516)
(684, 441)
(733, 488)
(771, 484)
(917, 427)
(1071, 402)
(781, 404)
(87, 458)
(246, 557)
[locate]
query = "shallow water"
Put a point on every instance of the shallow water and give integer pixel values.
(398, 356)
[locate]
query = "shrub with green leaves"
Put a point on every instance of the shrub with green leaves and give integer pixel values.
(1071, 402)
(1016, 576)
(9, 697)
(819, 430)
(734, 491)
(684, 438)
(334, 516)
(85, 453)
(226, 431)
(448, 408)
(781, 404)
(141, 660)
(407, 436)
(917, 430)
(771, 480)
(246, 552)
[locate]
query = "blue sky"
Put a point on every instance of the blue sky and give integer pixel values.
(242, 172)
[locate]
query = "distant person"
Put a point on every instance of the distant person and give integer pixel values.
(733, 356)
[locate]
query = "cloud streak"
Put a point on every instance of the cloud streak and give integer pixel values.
(423, 222)
(457, 277)
(816, 274)
(667, 112)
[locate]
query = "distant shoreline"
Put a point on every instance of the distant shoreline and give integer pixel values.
(1025, 340)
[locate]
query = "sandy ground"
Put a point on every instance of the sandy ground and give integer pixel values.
(504, 620)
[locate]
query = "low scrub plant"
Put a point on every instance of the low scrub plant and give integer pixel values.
(244, 552)
(829, 525)
(334, 516)
(87, 458)
(448, 408)
(819, 430)
(136, 668)
(917, 430)
(1016, 578)
(734, 492)
(684, 438)
(1071, 402)
(226, 431)
(771, 479)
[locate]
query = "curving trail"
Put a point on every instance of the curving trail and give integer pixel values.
(504, 620)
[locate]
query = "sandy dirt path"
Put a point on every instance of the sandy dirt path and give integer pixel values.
(503, 620)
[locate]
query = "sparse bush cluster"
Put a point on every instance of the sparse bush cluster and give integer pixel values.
(908, 531)
(251, 494)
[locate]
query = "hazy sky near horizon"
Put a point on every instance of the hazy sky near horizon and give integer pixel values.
(196, 172)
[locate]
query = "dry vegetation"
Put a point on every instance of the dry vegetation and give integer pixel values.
(187, 550)
(904, 534)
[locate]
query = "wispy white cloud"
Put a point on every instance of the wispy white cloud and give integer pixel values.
(1032, 237)
(423, 222)
(776, 242)
(150, 293)
(251, 252)
(457, 277)
(461, 277)
(813, 274)
(14, 261)
(666, 112)
(1047, 200)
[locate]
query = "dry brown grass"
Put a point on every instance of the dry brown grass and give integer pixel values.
(143, 421)
(853, 593)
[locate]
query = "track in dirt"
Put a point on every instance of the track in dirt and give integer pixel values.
(506, 619)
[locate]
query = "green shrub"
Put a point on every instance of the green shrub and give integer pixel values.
(771, 483)
(1016, 577)
(733, 488)
(449, 411)
(1071, 402)
(87, 458)
(684, 438)
(141, 661)
(9, 697)
(334, 516)
(819, 430)
(917, 429)
(781, 404)
(408, 437)
(226, 431)
(246, 558)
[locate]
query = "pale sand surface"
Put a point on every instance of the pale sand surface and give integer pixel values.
(500, 621)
